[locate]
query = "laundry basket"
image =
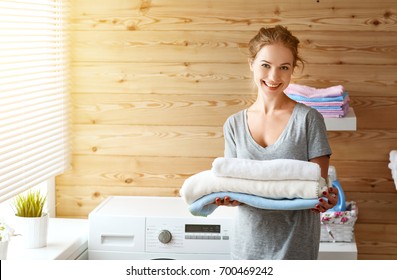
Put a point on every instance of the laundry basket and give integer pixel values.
(338, 226)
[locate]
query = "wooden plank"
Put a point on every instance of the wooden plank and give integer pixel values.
(160, 46)
(375, 208)
(78, 201)
(364, 176)
(328, 47)
(95, 170)
(220, 78)
(132, 171)
(207, 141)
(232, 15)
(384, 108)
(129, 140)
(155, 109)
(169, 78)
(376, 241)
(375, 80)
(377, 257)
(349, 145)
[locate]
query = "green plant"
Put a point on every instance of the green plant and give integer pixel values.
(30, 204)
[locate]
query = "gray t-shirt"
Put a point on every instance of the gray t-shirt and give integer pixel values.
(270, 234)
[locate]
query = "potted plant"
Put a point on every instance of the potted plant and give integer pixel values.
(5, 234)
(29, 209)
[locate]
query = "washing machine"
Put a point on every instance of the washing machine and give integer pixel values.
(141, 228)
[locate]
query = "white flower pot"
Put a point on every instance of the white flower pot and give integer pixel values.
(34, 231)
(3, 250)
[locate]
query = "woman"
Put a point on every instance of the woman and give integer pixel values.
(276, 127)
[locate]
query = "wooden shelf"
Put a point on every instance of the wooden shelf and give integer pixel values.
(349, 122)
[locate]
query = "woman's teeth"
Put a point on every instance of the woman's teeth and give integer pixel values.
(272, 85)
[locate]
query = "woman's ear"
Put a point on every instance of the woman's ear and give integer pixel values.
(250, 62)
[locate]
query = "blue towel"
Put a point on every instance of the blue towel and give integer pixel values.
(327, 107)
(205, 205)
(318, 99)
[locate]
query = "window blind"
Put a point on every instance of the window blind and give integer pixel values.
(34, 93)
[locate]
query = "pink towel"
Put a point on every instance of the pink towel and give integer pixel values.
(327, 104)
(312, 92)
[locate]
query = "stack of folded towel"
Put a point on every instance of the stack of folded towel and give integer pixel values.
(280, 184)
(331, 102)
(393, 165)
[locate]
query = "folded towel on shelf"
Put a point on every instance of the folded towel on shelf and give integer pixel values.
(393, 165)
(344, 102)
(206, 182)
(331, 103)
(276, 169)
(312, 92)
(329, 107)
(393, 159)
(394, 175)
(204, 206)
(344, 107)
(333, 111)
(298, 98)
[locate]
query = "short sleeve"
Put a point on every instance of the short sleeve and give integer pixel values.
(318, 144)
(229, 136)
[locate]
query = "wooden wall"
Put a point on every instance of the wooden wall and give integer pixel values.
(153, 82)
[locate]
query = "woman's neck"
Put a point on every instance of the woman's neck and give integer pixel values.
(270, 104)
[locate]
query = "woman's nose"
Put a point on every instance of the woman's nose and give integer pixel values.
(273, 74)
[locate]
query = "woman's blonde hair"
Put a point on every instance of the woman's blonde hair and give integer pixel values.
(273, 35)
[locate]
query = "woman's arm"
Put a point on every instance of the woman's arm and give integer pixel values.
(324, 164)
(332, 194)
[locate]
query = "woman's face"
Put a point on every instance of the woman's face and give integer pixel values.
(272, 68)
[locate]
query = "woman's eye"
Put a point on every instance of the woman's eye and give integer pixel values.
(266, 65)
(284, 68)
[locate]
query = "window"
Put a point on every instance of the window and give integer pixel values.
(34, 93)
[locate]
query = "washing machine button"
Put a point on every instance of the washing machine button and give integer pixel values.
(165, 236)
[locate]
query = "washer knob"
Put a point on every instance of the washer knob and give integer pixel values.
(165, 236)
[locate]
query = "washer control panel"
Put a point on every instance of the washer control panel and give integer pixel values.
(188, 235)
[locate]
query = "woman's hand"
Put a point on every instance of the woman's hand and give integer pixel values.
(325, 204)
(226, 202)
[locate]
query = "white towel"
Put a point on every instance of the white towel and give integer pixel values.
(394, 175)
(276, 169)
(393, 165)
(393, 159)
(206, 182)
(393, 155)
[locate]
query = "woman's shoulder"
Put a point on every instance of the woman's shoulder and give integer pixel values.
(237, 117)
(235, 121)
(308, 111)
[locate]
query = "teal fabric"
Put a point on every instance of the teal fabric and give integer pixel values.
(205, 205)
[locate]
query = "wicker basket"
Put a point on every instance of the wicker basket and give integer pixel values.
(339, 226)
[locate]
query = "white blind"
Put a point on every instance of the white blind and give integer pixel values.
(34, 93)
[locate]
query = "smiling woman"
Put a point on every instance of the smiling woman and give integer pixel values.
(34, 106)
(277, 127)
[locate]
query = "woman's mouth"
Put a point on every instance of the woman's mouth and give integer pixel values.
(271, 85)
